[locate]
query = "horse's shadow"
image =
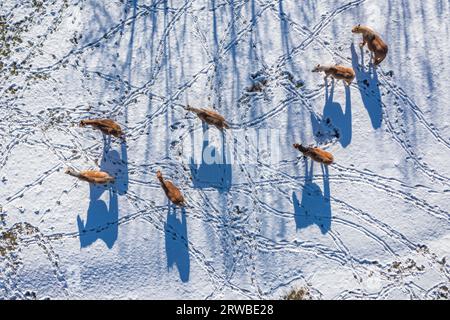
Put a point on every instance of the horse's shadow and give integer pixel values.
(315, 206)
(369, 87)
(213, 171)
(335, 123)
(102, 219)
(177, 247)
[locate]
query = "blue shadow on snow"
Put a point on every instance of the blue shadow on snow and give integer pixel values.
(102, 220)
(333, 113)
(369, 87)
(177, 246)
(315, 207)
(213, 171)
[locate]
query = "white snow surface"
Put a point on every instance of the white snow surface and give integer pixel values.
(377, 226)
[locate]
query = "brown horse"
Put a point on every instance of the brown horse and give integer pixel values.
(91, 176)
(210, 117)
(337, 72)
(316, 154)
(107, 126)
(172, 192)
(374, 43)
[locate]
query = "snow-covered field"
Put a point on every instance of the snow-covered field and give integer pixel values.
(376, 225)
